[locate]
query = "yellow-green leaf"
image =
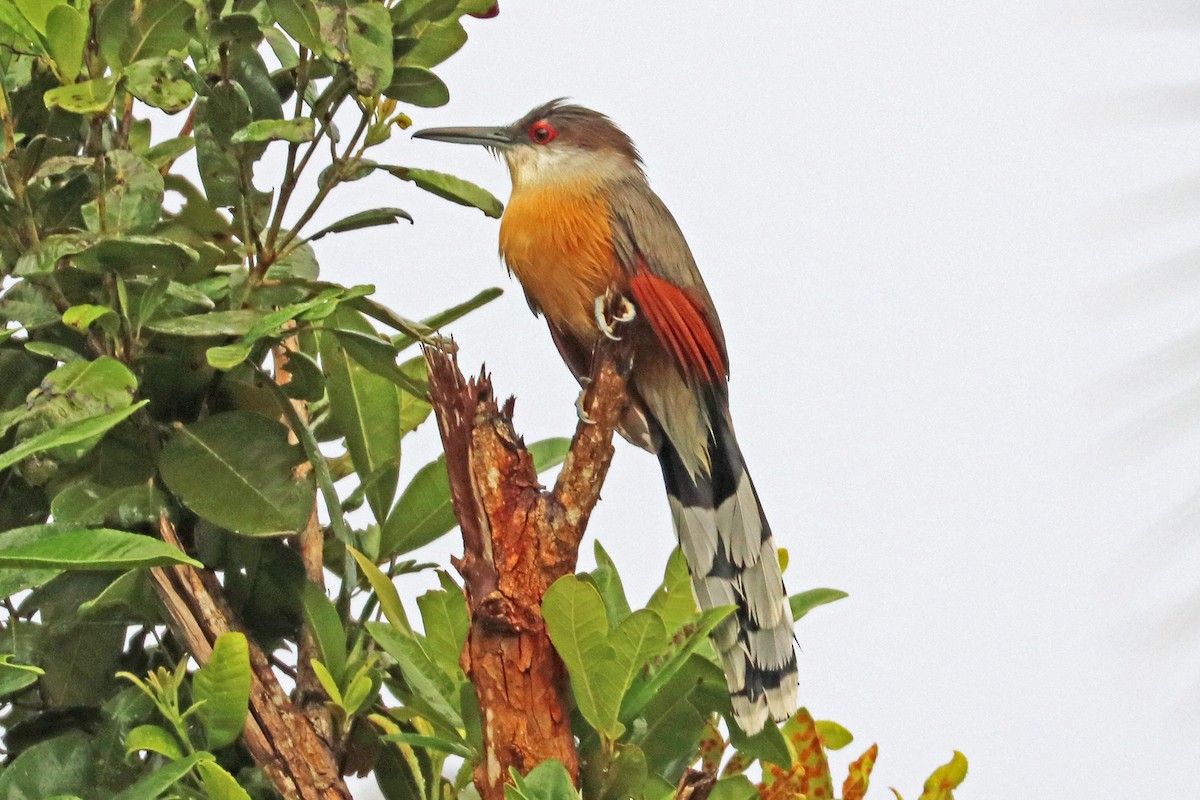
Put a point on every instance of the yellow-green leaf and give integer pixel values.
(945, 779)
(90, 97)
(66, 35)
(153, 739)
(219, 784)
(385, 592)
(833, 735)
(223, 686)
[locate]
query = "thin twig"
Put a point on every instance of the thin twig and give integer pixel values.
(334, 180)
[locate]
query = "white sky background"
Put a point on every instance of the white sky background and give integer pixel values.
(938, 234)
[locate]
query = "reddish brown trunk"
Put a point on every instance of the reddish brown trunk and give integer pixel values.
(518, 539)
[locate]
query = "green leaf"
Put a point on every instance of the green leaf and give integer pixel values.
(89, 98)
(425, 511)
(369, 36)
(299, 19)
(601, 663)
(327, 681)
(91, 503)
(215, 323)
(271, 130)
(734, 787)
(431, 743)
(72, 433)
(225, 110)
(945, 779)
(160, 82)
(439, 320)
(249, 70)
(219, 784)
(608, 581)
(162, 26)
(696, 633)
(81, 317)
(578, 627)
(28, 305)
(44, 258)
(639, 638)
(133, 201)
(299, 262)
(14, 580)
(445, 618)
(803, 602)
(363, 689)
(306, 381)
(410, 13)
(167, 152)
(423, 678)
(379, 356)
(385, 592)
(59, 352)
(129, 599)
(322, 619)
(450, 188)
(769, 745)
(94, 549)
(366, 408)
(15, 677)
(673, 600)
(223, 687)
(66, 35)
(616, 775)
(10, 15)
(414, 409)
(417, 86)
(364, 219)
(239, 454)
(133, 253)
(437, 41)
(153, 739)
(547, 781)
(55, 167)
(162, 779)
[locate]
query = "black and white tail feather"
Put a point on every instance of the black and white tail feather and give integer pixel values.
(733, 562)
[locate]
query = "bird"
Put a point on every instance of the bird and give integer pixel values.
(598, 254)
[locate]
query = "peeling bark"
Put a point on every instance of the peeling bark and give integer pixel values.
(518, 539)
(281, 740)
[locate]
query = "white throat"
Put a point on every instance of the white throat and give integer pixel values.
(539, 166)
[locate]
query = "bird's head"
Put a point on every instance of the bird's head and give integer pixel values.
(554, 143)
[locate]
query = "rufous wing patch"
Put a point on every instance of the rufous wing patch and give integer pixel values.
(679, 323)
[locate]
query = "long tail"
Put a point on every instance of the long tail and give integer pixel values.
(732, 558)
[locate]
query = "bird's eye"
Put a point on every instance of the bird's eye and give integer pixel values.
(542, 131)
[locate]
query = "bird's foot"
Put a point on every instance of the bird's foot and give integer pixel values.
(611, 311)
(580, 411)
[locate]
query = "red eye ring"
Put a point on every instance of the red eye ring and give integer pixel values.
(542, 131)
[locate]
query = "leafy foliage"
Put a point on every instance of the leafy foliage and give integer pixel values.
(172, 358)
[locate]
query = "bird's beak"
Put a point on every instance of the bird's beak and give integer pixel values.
(488, 137)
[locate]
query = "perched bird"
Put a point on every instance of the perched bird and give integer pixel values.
(593, 245)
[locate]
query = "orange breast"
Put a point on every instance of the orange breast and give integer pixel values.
(557, 240)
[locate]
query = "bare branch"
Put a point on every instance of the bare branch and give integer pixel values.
(280, 739)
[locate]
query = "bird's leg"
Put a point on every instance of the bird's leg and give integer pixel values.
(611, 311)
(579, 409)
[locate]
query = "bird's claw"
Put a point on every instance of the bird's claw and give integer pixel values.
(580, 411)
(622, 311)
